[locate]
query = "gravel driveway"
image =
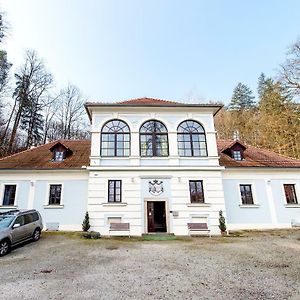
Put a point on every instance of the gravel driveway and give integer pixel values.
(253, 266)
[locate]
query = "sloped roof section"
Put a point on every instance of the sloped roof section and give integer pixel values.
(41, 157)
(255, 157)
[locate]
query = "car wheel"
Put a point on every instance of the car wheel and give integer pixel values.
(36, 234)
(4, 247)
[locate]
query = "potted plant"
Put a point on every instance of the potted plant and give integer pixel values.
(222, 223)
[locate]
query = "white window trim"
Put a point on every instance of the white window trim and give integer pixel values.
(2, 194)
(205, 203)
(46, 203)
(122, 203)
(297, 191)
(254, 195)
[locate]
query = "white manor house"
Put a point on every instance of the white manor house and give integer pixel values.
(156, 165)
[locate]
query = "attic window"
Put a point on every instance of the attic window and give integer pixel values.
(58, 155)
(60, 152)
(237, 155)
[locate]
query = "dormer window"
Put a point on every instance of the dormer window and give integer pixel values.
(237, 155)
(60, 152)
(58, 155)
(235, 150)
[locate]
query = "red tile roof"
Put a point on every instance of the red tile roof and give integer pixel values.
(149, 101)
(41, 157)
(255, 157)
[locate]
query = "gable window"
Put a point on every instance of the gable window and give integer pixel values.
(115, 139)
(191, 139)
(114, 191)
(55, 194)
(58, 155)
(236, 155)
(246, 194)
(9, 195)
(154, 139)
(196, 191)
(290, 194)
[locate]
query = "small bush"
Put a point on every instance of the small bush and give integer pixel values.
(222, 223)
(94, 235)
(86, 222)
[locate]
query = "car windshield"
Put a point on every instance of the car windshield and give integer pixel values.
(5, 221)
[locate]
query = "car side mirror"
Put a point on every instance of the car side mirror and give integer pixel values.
(17, 225)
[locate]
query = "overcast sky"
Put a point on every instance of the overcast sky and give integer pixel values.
(115, 50)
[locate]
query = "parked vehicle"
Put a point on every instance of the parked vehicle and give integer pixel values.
(17, 226)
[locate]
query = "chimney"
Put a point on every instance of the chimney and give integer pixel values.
(236, 135)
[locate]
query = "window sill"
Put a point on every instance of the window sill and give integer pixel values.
(249, 206)
(198, 204)
(114, 204)
(53, 206)
(292, 205)
(8, 206)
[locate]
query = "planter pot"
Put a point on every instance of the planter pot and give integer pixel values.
(223, 233)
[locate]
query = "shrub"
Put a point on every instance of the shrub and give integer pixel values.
(92, 235)
(86, 222)
(222, 223)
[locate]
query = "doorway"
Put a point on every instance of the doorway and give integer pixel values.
(156, 215)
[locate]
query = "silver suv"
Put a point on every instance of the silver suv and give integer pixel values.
(17, 226)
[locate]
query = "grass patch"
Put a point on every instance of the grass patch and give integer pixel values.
(68, 234)
(158, 237)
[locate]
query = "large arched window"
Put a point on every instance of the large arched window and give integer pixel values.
(154, 139)
(115, 139)
(191, 139)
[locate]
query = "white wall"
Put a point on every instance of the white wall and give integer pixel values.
(270, 209)
(135, 192)
(33, 192)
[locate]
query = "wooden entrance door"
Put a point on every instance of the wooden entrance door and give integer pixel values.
(150, 214)
(156, 215)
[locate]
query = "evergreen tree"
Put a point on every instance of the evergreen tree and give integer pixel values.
(86, 222)
(242, 98)
(263, 83)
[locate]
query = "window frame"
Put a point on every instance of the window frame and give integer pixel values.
(62, 156)
(294, 185)
(114, 188)
(252, 194)
(240, 156)
(153, 135)
(47, 200)
(115, 139)
(3, 193)
(195, 181)
(191, 141)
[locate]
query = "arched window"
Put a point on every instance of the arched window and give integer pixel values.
(191, 139)
(154, 139)
(115, 139)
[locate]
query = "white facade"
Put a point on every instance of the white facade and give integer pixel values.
(87, 187)
(136, 172)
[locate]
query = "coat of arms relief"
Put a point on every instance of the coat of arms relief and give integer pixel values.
(156, 187)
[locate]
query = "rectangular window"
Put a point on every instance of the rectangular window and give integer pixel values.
(58, 155)
(246, 194)
(114, 190)
(290, 194)
(9, 195)
(55, 194)
(196, 191)
(237, 155)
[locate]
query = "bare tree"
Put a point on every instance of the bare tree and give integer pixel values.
(290, 70)
(33, 82)
(71, 114)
